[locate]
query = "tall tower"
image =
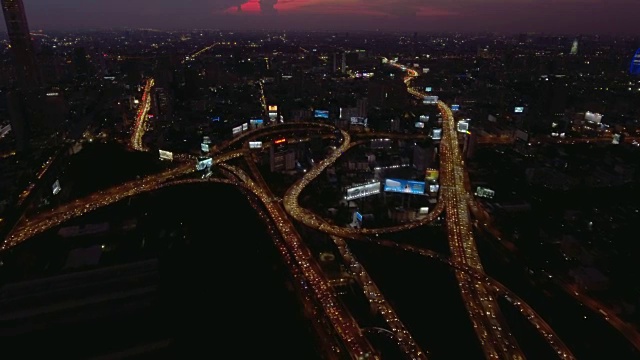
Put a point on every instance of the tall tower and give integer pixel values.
(25, 64)
(574, 47)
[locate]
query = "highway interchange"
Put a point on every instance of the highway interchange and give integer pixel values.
(479, 292)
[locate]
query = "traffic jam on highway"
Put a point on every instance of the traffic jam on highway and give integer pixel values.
(480, 292)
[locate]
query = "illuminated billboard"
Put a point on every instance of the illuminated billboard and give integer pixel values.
(206, 140)
(55, 188)
(361, 191)
(236, 130)
(425, 70)
(593, 117)
(616, 139)
(424, 118)
(431, 175)
(255, 144)
(433, 188)
(272, 108)
(423, 210)
(321, 114)
(204, 163)
(355, 120)
(419, 125)
(280, 141)
(215, 118)
(273, 116)
(463, 126)
(165, 155)
(430, 100)
(428, 89)
(518, 109)
(485, 192)
(404, 186)
(455, 107)
(245, 126)
(634, 67)
(436, 134)
(256, 122)
(204, 147)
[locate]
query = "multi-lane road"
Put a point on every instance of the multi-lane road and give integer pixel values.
(140, 124)
(29, 227)
(478, 290)
(341, 319)
(491, 328)
(489, 323)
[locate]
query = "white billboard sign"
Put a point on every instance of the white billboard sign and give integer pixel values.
(165, 155)
(255, 144)
(361, 191)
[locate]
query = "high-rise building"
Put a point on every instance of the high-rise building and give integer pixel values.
(362, 106)
(574, 47)
(17, 112)
(27, 72)
(282, 159)
(81, 62)
(26, 99)
(423, 157)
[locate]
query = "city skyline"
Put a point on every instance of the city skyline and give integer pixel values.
(569, 16)
(383, 179)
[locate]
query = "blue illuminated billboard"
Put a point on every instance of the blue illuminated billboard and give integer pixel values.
(404, 186)
(321, 114)
(634, 68)
(455, 107)
(215, 118)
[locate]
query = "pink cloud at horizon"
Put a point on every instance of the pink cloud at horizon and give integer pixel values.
(342, 7)
(250, 7)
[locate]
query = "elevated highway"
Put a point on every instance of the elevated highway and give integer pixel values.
(478, 290)
(341, 319)
(496, 289)
(489, 323)
(312, 220)
(140, 124)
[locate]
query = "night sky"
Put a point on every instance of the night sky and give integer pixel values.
(513, 16)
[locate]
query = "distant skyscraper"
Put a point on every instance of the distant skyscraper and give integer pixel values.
(18, 113)
(634, 68)
(21, 45)
(362, 105)
(80, 62)
(574, 47)
(26, 100)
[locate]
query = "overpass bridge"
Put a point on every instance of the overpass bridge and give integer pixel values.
(478, 293)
